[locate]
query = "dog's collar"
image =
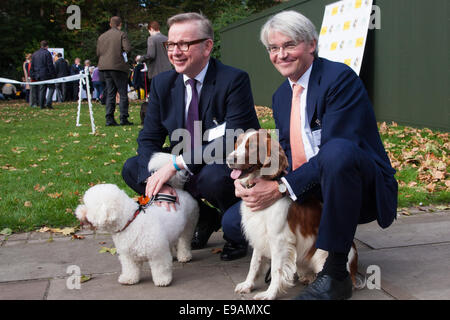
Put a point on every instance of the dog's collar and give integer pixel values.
(145, 202)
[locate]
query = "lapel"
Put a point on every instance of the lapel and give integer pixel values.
(177, 95)
(286, 104)
(207, 90)
(313, 88)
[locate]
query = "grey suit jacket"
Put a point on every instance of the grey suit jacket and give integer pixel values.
(110, 46)
(156, 55)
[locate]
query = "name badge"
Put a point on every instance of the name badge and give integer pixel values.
(216, 132)
(317, 136)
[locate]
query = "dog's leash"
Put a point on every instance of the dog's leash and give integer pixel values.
(145, 202)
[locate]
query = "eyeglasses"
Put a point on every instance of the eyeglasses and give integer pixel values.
(183, 46)
(287, 46)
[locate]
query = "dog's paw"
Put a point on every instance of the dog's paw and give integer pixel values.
(127, 279)
(244, 287)
(265, 295)
(184, 257)
(162, 281)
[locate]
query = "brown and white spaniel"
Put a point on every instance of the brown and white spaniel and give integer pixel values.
(284, 233)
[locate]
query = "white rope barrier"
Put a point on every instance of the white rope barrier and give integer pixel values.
(83, 79)
(51, 81)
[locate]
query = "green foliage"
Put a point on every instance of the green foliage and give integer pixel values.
(24, 23)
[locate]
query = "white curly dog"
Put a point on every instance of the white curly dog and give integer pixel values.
(152, 235)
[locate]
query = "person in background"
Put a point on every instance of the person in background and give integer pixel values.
(9, 91)
(25, 66)
(113, 47)
(62, 70)
(156, 58)
(42, 69)
(98, 85)
(139, 77)
(76, 68)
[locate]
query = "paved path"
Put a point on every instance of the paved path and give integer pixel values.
(413, 257)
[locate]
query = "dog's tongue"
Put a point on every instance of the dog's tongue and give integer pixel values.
(235, 174)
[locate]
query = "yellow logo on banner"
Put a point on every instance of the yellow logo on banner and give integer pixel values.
(348, 61)
(333, 46)
(347, 25)
(324, 30)
(334, 11)
(358, 4)
(359, 42)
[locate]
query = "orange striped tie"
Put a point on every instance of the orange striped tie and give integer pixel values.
(297, 148)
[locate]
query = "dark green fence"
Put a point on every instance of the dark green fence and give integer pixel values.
(406, 66)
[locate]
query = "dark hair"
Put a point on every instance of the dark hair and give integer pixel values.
(115, 21)
(154, 25)
(205, 25)
(59, 55)
(44, 43)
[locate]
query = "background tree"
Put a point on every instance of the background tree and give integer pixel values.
(24, 23)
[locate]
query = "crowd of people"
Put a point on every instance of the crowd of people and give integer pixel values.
(135, 80)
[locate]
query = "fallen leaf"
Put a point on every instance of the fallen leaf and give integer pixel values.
(77, 237)
(85, 278)
(55, 195)
(112, 251)
(27, 204)
(44, 229)
(6, 232)
(216, 250)
(39, 188)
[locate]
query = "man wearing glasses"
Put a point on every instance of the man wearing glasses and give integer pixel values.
(328, 130)
(200, 95)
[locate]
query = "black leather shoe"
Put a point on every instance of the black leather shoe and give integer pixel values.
(210, 221)
(232, 251)
(112, 124)
(49, 107)
(327, 288)
(126, 123)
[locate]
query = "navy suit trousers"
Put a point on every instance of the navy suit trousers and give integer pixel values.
(347, 186)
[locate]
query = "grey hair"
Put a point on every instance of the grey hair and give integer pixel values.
(292, 24)
(204, 23)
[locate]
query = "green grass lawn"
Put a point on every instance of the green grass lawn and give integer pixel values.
(47, 163)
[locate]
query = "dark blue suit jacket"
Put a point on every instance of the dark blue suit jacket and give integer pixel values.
(338, 105)
(42, 67)
(225, 97)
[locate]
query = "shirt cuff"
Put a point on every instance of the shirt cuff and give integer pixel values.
(185, 166)
(291, 193)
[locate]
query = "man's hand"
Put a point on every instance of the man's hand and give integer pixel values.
(259, 197)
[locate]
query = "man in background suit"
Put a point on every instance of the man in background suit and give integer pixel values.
(200, 94)
(62, 70)
(76, 68)
(113, 47)
(156, 57)
(42, 69)
(328, 130)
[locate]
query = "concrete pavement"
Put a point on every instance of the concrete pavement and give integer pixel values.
(412, 257)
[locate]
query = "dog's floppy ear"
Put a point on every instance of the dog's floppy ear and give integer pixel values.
(276, 161)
